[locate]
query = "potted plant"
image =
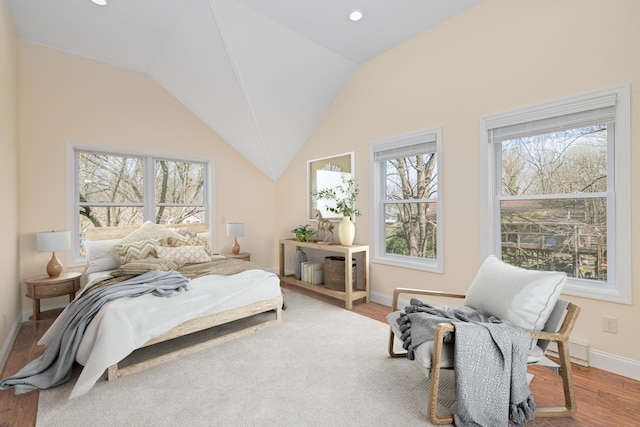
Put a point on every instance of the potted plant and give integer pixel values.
(303, 233)
(345, 197)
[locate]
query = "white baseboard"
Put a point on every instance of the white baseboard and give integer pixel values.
(8, 344)
(616, 364)
(380, 298)
(578, 352)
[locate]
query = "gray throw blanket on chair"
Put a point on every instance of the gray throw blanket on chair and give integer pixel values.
(54, 366)
(490, 362)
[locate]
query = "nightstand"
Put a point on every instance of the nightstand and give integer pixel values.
(49, 287)
(245, 256)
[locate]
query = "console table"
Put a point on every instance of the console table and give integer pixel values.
(349, 294)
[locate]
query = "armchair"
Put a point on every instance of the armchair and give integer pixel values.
(528, 299)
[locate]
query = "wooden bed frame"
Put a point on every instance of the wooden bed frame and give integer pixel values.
(191, 326)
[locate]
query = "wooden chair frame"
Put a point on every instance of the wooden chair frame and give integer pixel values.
(561, 337)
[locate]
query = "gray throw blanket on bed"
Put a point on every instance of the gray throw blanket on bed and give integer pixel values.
(54, 366)
(490, 361)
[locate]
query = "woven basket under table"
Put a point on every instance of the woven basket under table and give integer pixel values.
(334, 273)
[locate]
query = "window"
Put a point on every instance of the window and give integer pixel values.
(128, 188)
(559, 196)
(406, 206)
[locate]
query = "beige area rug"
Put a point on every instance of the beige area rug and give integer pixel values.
(322, 366)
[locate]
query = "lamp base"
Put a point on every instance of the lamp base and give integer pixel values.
(235, 249)
(54, 268)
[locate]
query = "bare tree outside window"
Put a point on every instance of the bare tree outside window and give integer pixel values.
(111, 191)
(410, 206)
(553, 205)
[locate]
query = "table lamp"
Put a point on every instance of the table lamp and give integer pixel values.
(235, 230)
(52, 241)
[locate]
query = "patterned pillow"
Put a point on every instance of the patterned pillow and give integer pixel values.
(184, 254)
(193, 241)
(144, 265)
(136, 250)
(186, 232)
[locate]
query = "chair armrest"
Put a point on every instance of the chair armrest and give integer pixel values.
(563, 333)
(398, 291)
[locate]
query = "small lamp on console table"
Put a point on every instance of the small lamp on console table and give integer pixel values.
(235, 230)
(52, 241)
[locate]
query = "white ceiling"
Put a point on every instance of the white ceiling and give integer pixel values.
(260, 73)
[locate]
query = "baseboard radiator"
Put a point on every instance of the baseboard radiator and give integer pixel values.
(578, 352)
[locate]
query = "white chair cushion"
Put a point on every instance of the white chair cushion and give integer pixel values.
(424, 351)
(523, 297)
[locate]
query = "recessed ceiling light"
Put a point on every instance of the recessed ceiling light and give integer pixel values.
(99, 2)
(355, 15)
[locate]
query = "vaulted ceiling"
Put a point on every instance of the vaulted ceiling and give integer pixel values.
(260, 73)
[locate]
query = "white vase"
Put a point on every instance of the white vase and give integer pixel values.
(346, 231)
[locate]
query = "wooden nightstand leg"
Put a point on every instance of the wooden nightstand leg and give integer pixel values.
(36, 308)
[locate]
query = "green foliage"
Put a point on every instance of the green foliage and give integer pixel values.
(303, 232)
(344, 195)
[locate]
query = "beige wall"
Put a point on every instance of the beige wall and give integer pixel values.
(497, 56)
(65, 97)
(9, 289)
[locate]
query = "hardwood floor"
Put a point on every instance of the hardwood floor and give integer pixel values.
(604, 399)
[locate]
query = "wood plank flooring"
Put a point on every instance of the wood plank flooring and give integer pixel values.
(604, 399)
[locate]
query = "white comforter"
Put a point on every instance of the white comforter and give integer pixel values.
(124, 325)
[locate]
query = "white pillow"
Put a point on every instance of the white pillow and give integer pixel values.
(523, 297)
(99, 256)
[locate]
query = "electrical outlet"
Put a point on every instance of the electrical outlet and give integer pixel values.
(610, 324)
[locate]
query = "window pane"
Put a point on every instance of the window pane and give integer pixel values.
(112, 216)
(410, 229)
(412, 177)
(574, 160)
(567, 235)
(180, 215)
(179, 182)
(109, 179)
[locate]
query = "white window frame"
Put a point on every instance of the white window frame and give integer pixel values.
(378, 183)
(618, 285)
(149, 157)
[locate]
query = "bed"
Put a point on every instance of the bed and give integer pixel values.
(123, 325)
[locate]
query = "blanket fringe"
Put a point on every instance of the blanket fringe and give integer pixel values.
(520, 413)
(405, 328)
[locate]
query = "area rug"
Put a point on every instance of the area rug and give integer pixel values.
(322, 366)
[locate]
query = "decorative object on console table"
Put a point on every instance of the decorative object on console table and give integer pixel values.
(346, 231)
(235, 230)
(52, 241)
(49, 287)
(245, 256)
(298, 258)
(303, 232)
(325, 226)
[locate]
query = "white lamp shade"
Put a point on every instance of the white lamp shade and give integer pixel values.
(235, 229)
(51, 241)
